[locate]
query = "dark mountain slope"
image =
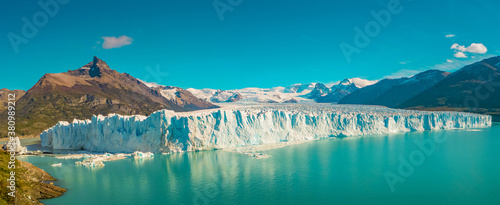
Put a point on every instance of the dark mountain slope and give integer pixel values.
(473, 86)
(410, 88)
(392, 92)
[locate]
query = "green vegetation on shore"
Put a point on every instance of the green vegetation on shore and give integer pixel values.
(30, 183)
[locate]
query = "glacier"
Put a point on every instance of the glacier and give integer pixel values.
(245, 125)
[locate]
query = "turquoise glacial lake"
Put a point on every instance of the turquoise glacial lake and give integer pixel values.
(451, 167)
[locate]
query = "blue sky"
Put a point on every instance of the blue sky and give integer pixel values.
(256, 43)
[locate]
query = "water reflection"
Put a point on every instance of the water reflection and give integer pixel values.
(463, 169)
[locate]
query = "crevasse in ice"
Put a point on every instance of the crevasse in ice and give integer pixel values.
(168, 131)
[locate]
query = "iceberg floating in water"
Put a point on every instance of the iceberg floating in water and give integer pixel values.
(230, 127)
(139, 155)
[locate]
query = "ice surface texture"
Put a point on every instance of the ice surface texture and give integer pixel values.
(167, 131)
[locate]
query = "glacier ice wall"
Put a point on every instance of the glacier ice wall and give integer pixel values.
(167, 131)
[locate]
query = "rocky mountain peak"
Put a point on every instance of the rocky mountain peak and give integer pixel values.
(346, 85)
(345, 81)
(95, 68)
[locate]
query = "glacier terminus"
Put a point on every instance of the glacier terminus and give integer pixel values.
(245, 125)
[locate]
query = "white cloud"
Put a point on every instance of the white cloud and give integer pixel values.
(457, 47)
(114, 42)
(449, 61)
(476, 48)
(460, 50)
(460, 54)
(473, 48)
(450, 35)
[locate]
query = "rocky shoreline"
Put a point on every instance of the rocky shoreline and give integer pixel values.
(32, 183)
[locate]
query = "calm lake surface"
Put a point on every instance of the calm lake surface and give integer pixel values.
(454, 167)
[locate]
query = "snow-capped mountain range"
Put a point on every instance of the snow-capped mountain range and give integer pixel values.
(297, 93)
